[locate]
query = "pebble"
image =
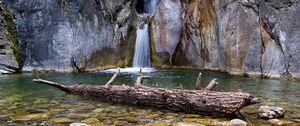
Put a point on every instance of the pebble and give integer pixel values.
(188, 124)
(79, 124)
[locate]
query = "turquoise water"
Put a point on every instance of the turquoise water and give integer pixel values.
(23, 102)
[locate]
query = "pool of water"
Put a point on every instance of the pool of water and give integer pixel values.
(23, 102)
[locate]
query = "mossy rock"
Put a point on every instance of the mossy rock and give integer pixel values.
(199, 121)
(77, 116)
(61, 120)
(91, 121)
(12, 36)
(158, 123)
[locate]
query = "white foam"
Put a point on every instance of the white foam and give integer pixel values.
(130, 70)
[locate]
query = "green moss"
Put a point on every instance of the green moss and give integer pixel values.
(154, 57)
(12, 36)
(126, 49)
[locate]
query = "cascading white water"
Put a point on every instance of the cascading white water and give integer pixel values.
(142, 49)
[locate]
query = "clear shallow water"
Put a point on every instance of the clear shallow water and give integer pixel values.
(23, 102)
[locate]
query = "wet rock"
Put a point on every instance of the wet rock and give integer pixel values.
(61, 120)
(82, 108)
(8, 42)
(278, 122)
(269, 112)
(192, 116)
(159, 123)
(91, 121)
(132, 119)
(29, 117)
(98, 110)
(79, 124)
(188, 124)
(237, 122)
(199, 121)
(234, 122)
(4, 116)
(77, 116)
(57, 110)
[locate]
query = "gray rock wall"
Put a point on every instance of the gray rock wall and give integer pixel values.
(68, 35)
(245, 37)
(8, 62)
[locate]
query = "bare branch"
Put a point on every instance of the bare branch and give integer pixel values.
(198, 82)
(113, 78)
(213, 83)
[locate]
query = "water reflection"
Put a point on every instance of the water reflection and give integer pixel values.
(23, 102)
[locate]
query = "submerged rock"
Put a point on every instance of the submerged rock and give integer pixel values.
(278, 122)
(158, 123)
(77, 116)
(269, 112)
(91, 121)
(199, 121)
(61, 120)
(188, 124)
(79, 124)
(234, 122)
(82, 108)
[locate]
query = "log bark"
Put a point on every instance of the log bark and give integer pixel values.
(189, 101)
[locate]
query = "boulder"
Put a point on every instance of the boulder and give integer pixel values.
(269, 112)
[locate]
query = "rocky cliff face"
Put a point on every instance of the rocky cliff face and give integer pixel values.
(245, 37)
(8, 42)
(68, 35)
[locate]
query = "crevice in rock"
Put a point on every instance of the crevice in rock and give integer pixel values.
(146, 6)
(253, 6)
(264, 25)
(74, 65)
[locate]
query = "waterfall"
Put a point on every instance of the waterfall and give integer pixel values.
(142, 49)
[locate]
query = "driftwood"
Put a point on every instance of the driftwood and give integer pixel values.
(190, 101)
(198, 81)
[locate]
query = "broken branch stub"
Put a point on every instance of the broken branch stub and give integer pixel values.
(212, 84)
(113, 78)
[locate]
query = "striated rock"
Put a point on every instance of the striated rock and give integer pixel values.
(73, 35)
(239, 37)
(270, 112)
(8, 42)
(244, 37)
(165, 31)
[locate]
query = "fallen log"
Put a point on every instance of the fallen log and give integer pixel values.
(189, 101)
